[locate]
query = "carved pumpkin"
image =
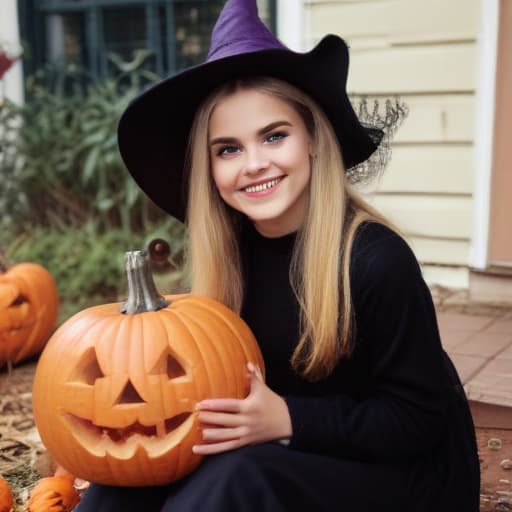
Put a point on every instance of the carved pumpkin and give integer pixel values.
(114, 392)
(28, 311)
(6, 497)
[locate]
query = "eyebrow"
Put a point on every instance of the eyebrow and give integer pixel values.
(261, 131)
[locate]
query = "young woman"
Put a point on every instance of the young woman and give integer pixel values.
(361, 408)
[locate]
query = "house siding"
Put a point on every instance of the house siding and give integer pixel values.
(425, 53)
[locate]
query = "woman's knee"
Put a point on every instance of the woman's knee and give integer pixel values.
(104, 498)
(230, 467)
(229, 481)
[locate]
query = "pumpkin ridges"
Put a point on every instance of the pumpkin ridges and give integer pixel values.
(199, 385)
(241, 331)
(224, 352)
(206, 351)
(159, 334)
(108, 329)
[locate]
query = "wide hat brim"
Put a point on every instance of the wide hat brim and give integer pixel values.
(154, 129)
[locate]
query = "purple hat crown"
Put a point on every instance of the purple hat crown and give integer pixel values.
(239, 30)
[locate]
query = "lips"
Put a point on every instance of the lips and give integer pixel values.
(263, 186)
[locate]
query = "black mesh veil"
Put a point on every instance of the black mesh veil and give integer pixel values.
(381, 118)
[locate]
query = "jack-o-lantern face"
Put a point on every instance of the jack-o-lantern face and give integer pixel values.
(114, 394)
(28, 311)
(128, 406)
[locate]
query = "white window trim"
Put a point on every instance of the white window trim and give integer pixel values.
(9, 34)
(291, 24)
(484, 132)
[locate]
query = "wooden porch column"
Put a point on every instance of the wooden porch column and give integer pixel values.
(500, 221)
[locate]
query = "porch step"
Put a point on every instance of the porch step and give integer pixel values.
(491, 416)
(493, 284)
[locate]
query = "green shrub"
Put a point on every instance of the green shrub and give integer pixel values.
(61, 166)
(67, 200)
(88, 266)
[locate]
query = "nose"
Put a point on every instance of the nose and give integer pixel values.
(256, 160)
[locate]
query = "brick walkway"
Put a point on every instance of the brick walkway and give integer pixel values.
(480, 346)
(478, 338)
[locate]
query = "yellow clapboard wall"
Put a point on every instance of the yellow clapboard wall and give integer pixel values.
(424, 51)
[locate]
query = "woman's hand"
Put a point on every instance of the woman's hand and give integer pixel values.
(230, 423)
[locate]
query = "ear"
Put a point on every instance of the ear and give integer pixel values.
(311, 148)
(312, 145)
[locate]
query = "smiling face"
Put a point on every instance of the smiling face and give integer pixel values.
(260, 159)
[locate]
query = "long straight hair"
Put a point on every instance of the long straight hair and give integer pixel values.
(319, 273)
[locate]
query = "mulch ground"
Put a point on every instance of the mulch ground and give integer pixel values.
(20, 446)
(494, 449)
(23, 459)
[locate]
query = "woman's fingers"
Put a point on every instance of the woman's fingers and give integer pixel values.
(232, 405)
(254, 369)
(224, 434)
(210, 449)
(229, 423)
(221, 419)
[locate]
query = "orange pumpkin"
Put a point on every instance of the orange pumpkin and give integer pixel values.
(55, 493)
(28, 311)
(114, 392)
(6, 497)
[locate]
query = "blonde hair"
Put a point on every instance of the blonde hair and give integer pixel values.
(322, 249)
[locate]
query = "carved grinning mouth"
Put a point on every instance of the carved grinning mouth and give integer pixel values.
(123, 442)
(119, 435)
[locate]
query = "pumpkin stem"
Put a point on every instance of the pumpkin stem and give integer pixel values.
(142, 293)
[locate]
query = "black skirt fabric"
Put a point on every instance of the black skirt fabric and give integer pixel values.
(273, 478)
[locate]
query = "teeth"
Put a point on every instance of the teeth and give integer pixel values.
(263, 186)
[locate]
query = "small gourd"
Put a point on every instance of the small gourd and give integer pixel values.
(6, 497)
(54, 493)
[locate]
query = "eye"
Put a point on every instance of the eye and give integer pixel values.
(228, 150)
(276, 137)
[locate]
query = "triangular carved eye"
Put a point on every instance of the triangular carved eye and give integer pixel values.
(19, 300)
(174, 368)
(88, 368)
(170, 365)
(129, 395)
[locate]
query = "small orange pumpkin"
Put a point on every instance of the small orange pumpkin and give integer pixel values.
(6, 497)
(56, 493)
(28, 311)
(115, 392)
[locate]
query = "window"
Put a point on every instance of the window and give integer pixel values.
(97, 34)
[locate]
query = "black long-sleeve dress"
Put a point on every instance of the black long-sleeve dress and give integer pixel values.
(398, 399)
(389, 430)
